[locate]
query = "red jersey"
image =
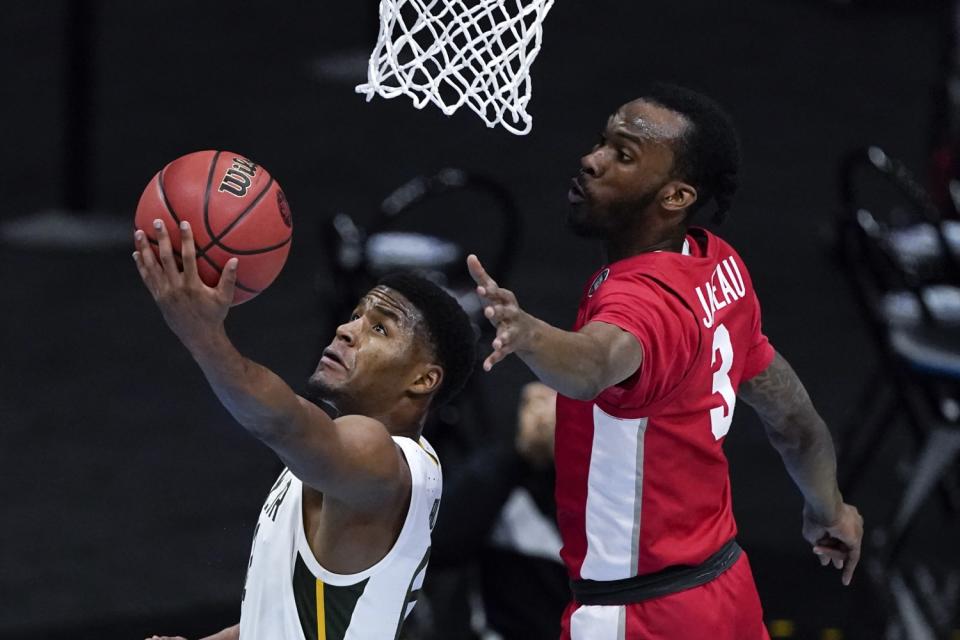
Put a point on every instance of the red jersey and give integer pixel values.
(642, 481)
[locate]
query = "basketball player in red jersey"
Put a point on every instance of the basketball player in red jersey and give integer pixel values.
(667, 337)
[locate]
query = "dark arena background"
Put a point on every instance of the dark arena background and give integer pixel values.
(129, 494)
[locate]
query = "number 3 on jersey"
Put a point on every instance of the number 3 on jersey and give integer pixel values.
(722, 416)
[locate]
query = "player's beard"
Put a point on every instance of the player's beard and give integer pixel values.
(589, 221)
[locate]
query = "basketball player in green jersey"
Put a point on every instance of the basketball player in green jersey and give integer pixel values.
(342, 542)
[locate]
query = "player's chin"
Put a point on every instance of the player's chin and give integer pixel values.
(322, 385)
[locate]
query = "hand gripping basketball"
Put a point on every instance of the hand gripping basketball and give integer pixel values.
(514, 326)
(192, 309)
(235, 208)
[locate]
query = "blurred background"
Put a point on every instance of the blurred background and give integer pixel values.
(129, 495)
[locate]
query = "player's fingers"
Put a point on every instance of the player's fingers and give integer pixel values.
(188, 252)
(494, 294)
(851, 566)
(830, 552)
(502, 340)
(146, 261)
(228, 280)
(497, 313)
(837, 562)
(499, 353)
(480, 275)
(491, 360)
(170, 268)
(142, 270)
(498, 295)
(146, 252)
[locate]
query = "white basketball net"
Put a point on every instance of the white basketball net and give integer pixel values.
(456, 52)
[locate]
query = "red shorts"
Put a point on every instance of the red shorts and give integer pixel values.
(726, 608)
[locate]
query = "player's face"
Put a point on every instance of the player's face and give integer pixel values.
(625, 170)
(374, 356)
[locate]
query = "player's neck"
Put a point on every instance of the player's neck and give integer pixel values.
(626, 245)
(411, 431)
(402, 421)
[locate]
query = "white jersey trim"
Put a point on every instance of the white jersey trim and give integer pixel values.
(598, 623)
(614, 497)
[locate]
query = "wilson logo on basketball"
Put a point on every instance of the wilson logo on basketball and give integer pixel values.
(238, 178)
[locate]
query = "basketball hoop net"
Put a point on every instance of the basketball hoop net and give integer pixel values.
(456, 52)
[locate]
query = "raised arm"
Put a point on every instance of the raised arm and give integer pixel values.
(230, 633)
(352, 458)
(578, 364)
(798, 433)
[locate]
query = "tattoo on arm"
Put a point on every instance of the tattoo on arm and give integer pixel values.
(777, 393)
(798, 433)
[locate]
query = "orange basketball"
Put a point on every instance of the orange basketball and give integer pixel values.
(234, 207)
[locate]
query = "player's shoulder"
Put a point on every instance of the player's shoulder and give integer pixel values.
(361, 428)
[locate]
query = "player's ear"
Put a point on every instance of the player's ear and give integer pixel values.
(429, 378)
(677, 195)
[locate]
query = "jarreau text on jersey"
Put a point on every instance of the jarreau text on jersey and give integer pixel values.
(724, 287)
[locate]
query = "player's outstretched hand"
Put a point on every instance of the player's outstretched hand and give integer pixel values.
(837, 542)
(501, 309)
(190, 307)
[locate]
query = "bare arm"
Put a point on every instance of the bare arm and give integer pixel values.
(352, 458)
(230, 633)
(798, 433)
(578, 364)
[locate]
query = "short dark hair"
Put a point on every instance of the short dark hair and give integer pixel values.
(448, 330)
(708, 154)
